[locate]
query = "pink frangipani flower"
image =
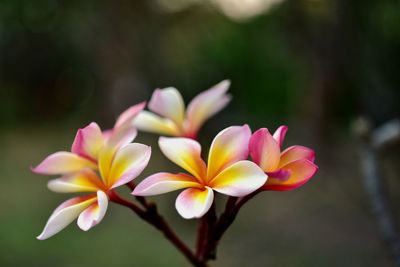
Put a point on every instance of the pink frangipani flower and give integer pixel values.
(118, 165)
(227, 171)
(88, 143)
(170, 117)
(286, 170)
(99, 161)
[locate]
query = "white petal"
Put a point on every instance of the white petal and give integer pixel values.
(168, 103)
(206, 104)
(164, 182)
(92, 215)
(194, 202)
(65, 214)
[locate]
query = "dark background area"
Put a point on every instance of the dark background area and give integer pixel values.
(314, 65)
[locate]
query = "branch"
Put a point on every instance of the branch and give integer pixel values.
(233, 205)
(152, 216)
(205, 234)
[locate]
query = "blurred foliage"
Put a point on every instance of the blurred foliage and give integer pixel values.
(53, 55)
(54, 59)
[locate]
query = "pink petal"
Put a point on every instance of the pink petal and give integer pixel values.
(168, 103)
(127, 117)
(194, 202)
(65, 214)
(63, 163)
(205, 105)
(149, 122)
(163, 182)
(239, 179)
(264, 150)
(107, 134)
(294, 153)
(92, 215)
(128, 163)
(280, 134)
(82, 181)
(228, 147)
(300, 172)
(117, 139)
(88, 142)
(184, 152)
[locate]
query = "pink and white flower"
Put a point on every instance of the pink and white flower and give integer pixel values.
(116, 167)
(286, 170)
(169, 116)
(227, 171)
(99, 161)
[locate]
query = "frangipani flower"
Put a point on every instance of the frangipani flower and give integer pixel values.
(286, 170)
(173, 120)
(88, 143)
(227, 171)
(116, 167)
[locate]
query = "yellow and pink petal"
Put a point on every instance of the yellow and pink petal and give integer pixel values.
(63, 162)
(194, 202)
(149, 122)
(164, 182)
(294, 153)
(184, 152)
(265, 150)
(128, 163)
(239, 179)
(116, 140)
(82, 181)
(229, 146)
(64, 214)
(88, 142)
(297, 174)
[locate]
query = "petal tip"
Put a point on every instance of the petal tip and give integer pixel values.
(225, 83)
(41, 237)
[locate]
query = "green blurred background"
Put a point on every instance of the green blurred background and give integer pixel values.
(314, 65)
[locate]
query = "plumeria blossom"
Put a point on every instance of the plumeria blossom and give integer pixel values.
(99, 161)
(88, 144)
(286, 170)
(169, 117)
(227, 171)
(116, 167)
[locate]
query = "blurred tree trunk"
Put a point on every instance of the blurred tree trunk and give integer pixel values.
(323, 33)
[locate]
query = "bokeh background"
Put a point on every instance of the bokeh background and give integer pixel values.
(314, 65)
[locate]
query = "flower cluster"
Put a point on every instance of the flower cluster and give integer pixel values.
(239, 162)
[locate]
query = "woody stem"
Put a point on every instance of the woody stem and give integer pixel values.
(151, 215)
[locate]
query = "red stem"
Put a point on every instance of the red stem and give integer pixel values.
(205, 233)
